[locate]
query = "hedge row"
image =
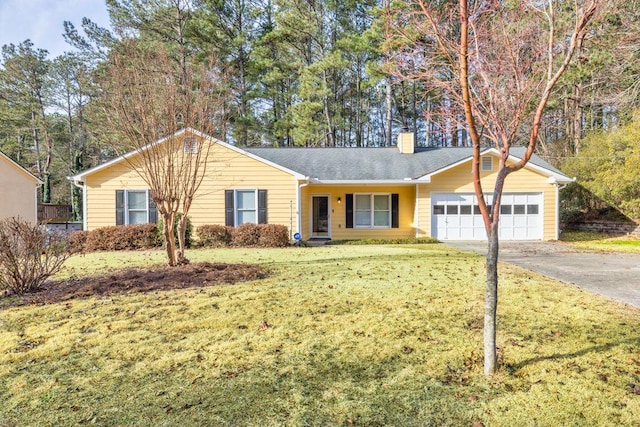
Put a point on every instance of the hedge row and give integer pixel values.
(245, 235)
(116, 238)
(147, 236)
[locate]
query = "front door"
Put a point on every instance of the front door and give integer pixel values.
(320, 216)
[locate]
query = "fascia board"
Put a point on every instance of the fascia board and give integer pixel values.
(81, 176)
(407, 181)
(553, 176)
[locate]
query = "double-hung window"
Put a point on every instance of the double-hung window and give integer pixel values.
(372, 210)
(134, 207)
(245, 206)
(137, 208)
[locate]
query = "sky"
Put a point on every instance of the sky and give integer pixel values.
(41, 21)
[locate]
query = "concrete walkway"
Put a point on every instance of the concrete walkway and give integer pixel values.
(615, 275)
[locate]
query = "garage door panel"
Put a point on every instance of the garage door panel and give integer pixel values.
(456, 216)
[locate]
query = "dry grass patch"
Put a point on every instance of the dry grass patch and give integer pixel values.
(367, 335)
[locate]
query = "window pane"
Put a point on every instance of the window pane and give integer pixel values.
(438, 209)
(381, 203)
(518, 209)
(505, 209)
(476, 209)
(363, 219)
(246, 199)
(465, 210)
(137, 200)
(137, 217)
(452, 210)
(363, 203)
(247, 217)
(532, 209)
(381, 219)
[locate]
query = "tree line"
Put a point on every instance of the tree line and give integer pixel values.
(299, 73)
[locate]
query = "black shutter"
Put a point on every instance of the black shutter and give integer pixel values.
(262, 206)
(395, 222)
(349, 210)
(153, 211)
(119, 207)
(228, 208)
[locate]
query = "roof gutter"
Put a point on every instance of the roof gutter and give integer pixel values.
(406, 181)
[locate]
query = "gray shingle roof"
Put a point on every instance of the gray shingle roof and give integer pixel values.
(354, 164)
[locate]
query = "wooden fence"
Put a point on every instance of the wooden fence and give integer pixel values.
(54, 213)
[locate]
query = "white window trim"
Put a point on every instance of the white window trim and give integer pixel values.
(372, 210)
(483, 168)
(236, 211)
(126, 204)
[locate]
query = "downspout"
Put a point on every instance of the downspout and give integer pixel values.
(299, 203)
(36, 199)
(83, 187)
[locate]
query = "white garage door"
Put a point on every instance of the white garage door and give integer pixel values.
(456, 216)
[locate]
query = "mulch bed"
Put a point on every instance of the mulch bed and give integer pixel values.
(134, 280)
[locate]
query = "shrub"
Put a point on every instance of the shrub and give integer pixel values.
(273, 236)
(29, 255)
(78, 241)
(214, 236)
(260, 235)
(187, 232)
(245, 235)
(119, 237)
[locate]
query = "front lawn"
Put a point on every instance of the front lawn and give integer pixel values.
(341, 335)
(591, 241)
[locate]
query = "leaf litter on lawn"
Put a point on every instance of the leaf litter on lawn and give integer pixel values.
(133, 280)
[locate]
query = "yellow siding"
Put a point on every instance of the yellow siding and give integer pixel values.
(459, 180)
(17, 191)
(406, 205)
(226, 169)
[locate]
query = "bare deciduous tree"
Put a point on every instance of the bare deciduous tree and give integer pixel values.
(148, 98)
(497, 62)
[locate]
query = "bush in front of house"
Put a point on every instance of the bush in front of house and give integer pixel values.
(78, 241)
(214, 236)
(273, 236)
(122, 237)
(245, 235)
(29, 255)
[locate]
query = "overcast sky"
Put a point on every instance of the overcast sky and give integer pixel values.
(41, 21)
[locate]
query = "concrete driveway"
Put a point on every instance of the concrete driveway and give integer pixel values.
(615, 275)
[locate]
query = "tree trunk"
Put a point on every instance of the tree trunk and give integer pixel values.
(491, 302)
(169, 239)
(388, 119)
(46, 187)
(182, 233)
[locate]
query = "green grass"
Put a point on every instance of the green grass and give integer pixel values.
(364, 335)
(592, 241)
(405, 241)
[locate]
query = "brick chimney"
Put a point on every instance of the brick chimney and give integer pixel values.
(405, 142)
